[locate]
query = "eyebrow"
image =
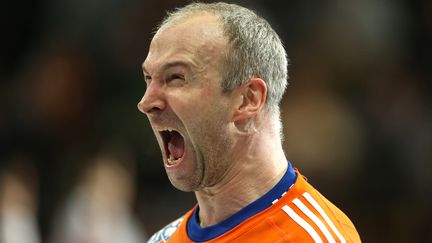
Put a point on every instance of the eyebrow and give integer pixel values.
(168, 65)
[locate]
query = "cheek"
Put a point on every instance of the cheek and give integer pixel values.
(208, 91)
(200, 109)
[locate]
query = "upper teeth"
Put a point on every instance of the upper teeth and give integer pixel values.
(166, 129)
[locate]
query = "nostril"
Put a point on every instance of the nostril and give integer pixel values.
(149, 108)
(154, 110)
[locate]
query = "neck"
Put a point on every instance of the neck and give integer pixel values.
(251, 177)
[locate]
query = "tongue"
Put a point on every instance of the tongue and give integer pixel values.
(176, 145)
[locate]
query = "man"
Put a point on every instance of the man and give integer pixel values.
(215, 75)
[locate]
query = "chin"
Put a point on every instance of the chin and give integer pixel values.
(182, 187)
(184, 184)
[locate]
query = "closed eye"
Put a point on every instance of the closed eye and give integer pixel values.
(175, 77)
(147, 79)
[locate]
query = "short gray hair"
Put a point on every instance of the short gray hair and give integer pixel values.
(254, 48)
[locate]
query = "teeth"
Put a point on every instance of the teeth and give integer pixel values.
(172, 160)
(166, 129)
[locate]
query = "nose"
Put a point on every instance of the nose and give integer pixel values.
(153, 100)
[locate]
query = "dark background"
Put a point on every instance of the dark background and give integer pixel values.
(357, 114)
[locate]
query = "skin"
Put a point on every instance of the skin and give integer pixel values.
(233, 153)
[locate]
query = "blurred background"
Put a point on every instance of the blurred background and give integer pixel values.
(79, 163)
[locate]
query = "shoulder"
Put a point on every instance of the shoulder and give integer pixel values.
(165, 233)
(315, 217)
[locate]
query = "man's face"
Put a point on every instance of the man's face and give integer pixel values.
(187, 110)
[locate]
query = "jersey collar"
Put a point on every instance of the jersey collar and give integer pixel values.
(198, 234)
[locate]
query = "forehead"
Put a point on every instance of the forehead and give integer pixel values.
(197, 40)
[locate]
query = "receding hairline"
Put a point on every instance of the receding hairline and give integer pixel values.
(204, 26)
(214, 20)
(174, 20)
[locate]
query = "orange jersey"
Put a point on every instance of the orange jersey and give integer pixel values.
(301, 214)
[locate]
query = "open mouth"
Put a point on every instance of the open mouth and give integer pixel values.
(174, 145)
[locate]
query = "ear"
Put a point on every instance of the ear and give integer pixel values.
(251, 100)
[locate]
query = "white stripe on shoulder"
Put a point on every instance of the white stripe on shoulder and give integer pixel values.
(309, 229)
(315, 219)
(318, 208)
(165, 234)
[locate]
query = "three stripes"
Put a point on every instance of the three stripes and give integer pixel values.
(315, 219)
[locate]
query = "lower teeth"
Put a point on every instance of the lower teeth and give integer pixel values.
(171, 160)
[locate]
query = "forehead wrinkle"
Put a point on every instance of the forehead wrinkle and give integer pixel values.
(162, 65)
